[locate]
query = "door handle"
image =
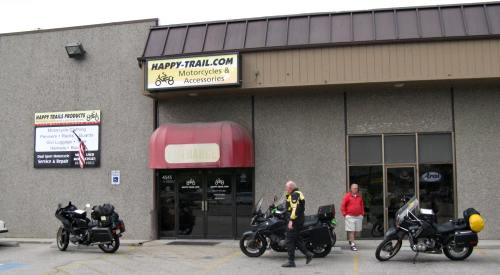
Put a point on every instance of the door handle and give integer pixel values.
(202, 206)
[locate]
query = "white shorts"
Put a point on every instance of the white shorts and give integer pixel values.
(353, 223)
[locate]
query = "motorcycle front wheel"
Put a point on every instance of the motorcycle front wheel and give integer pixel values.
(388, 249)
(62, 239)
(457, 253)
(112, 246)
(319, 251)
(253, 247)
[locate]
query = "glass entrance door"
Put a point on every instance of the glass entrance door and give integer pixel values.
(191, 206)
(204, 203)
(400, 182)
(219, 206)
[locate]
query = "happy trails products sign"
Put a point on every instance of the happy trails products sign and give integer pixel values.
(191, 72)
(67, 139)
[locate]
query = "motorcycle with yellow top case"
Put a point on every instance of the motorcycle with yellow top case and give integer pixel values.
(456, 238)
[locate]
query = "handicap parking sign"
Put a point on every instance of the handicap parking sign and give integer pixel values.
(115, 177)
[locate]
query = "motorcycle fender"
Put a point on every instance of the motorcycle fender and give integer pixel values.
(251, 234)
(393, 233)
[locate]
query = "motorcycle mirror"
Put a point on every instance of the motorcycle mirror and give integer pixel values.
(275, 198)
(87, 205)
(59, 205)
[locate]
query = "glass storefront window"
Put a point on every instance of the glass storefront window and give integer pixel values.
(166, 202)
(399, 149)
(436, 190)
(386, 168)
(365, 150)
(244, 201)
(370, 182)
(435, 148)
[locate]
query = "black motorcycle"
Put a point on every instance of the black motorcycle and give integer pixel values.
(455, 238)
(103, 229)
(269, 229)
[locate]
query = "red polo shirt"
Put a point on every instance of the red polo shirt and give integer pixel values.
(352, 205)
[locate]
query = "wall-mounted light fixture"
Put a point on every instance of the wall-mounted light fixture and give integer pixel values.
(75, 50)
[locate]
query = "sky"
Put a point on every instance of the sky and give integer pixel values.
(27, 15)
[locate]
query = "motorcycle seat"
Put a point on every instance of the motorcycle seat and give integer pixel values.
(449, 227)
(310, 220)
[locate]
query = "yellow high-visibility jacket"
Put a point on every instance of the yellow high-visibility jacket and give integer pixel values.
(295, 204)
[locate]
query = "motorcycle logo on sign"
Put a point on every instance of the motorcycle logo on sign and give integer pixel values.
(191, 182)
(431, 177)
(219, 181)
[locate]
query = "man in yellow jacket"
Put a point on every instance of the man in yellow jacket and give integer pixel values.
(296, 204)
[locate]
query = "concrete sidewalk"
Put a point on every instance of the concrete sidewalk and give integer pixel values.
(489, 244)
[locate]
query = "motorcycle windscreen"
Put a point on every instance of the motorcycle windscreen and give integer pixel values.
(411, 206)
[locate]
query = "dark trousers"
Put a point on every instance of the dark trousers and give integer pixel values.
(294, 240)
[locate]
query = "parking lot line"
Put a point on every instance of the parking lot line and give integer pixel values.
(218, 263)
(355, 264)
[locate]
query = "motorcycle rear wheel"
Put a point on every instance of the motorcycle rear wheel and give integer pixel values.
(455, 253)
(253, 248)
(391, 246)
(112, 246)
(319, 251)
(62, 239)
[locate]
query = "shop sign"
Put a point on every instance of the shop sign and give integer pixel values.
(190, 185)
(220, 187)
(59, 136)
(193, 72)
(192, 153)
(431, 177)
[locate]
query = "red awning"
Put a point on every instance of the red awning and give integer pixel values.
(200, 145)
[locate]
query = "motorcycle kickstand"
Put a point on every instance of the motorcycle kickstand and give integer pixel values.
(415, 258)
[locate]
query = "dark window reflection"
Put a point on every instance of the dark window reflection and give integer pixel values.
(244, 201)
(220, 206)
(370, 181)
(166, 202)
(436, 189)
(190, 205)
(400, 188)
(365, 150)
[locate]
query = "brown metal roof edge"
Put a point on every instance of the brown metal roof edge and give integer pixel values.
(324, 13)
(330, 45)
(155, 20)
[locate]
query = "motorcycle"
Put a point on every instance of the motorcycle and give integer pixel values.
(268, 229)
(104, 229)
(456, 238)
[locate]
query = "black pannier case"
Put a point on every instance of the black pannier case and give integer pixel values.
(100, 234)
(317, 234)
(466, 238)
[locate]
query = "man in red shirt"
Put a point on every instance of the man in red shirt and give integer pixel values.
(353, 209)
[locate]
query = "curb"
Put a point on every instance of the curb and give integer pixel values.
(52, 241)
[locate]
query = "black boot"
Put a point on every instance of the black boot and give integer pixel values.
(289, 264)
(309, 257)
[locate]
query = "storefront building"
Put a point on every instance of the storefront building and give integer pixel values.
(401, 101)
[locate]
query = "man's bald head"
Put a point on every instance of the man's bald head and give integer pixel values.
(290, 186)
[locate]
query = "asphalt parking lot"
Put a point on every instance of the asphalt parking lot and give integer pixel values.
(163, 257)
